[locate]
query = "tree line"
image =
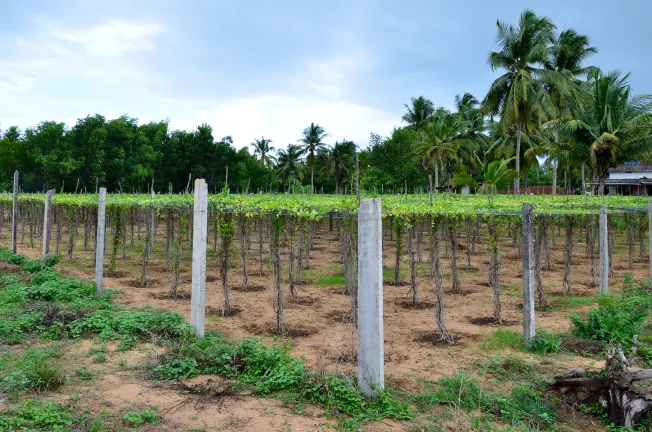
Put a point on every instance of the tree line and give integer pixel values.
(548, 115)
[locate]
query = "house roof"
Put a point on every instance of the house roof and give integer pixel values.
(631, 168)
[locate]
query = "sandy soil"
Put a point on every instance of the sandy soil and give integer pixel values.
(319, 310)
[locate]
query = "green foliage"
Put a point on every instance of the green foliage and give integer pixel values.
(38, 370)
(501, 339)
(545, 342)
(510, 367)
(36, 416)
(129, 324)
(616, 319)
(139, 418)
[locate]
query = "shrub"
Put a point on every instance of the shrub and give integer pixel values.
(615, 319)
(545, 342)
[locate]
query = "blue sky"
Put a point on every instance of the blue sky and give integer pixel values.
(252, 68)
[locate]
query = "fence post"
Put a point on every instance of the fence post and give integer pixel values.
(99, 242)
(199, 238)
(46, 223)
(649, 216)
(357, 177)
(371, 351)
(604, 251)
(529, 329)
(14, 214)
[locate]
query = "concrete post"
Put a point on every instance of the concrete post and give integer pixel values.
(371, 350)
(357, 177)
(14, 215)
(604, 251)
(649, 216)
(99, 242)
(528, 275)
(199, 239)
(46, 223)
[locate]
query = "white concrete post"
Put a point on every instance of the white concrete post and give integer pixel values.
(357, 177)
(529, 328)
(371, 350)
(649, 216)
(14, 215)
(604, 252)
(199, 238)
(45, 250)
(99, 242)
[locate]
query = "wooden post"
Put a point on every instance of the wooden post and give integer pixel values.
(14, 215)
(604, 251)
(99, 242)
(46, 223)
(371, 361)
(528, 275)
(199, 239)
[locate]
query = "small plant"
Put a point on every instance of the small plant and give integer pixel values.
(138, 418)
(42, 371)
(545, 342)
(84, 374)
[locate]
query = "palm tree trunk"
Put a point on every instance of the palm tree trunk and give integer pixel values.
(312, 177)
(517, 180)
(436, 176)
(583, 178)
(554, 177)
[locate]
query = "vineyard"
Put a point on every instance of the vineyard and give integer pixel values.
(287, 266)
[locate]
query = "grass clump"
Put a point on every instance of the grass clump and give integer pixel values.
(510, 367)
(503, 338)
(38, 370)
(139, 418)
(545, 342)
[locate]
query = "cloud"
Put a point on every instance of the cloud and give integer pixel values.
(63, 73)
(112, 37)
(282, 119)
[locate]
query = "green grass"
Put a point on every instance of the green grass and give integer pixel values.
(573, 301)
(330, 280)
(503, 338)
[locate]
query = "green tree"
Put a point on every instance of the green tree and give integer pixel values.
(340, 160)
(615, 125)
(262, 150)
(440, 138)
(418, 112)
(519, 96)
(310, 145)
(289, 165)
(567, 56)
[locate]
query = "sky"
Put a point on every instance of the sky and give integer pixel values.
(262, 68)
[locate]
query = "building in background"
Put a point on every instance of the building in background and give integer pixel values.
(628, 179)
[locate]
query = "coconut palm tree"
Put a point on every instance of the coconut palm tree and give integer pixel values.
(262, 150)
(567, 56)
(418, 112)
(310, 145)
(440, 138)
(340, 160)
(289, 165)
(519, 96)
(615, 126)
